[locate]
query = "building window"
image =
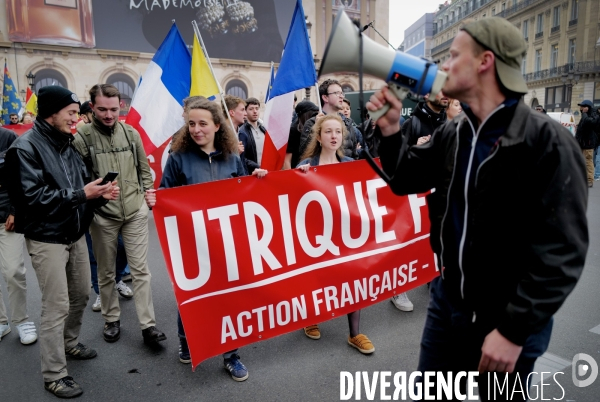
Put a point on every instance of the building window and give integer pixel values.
(538, 60)
(524, 65)
(558, 99)
(237, 88)
(574, 10)
(347, 88)
(556, 17)
(540, 24)
(503, 6)
(126, 87)
(47, 77)
(493, 11)
(554, 56)
(571, 58)
(597, 94)
(526, 29)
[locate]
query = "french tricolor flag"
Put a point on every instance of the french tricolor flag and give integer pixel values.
(156, 109)
(296, 71)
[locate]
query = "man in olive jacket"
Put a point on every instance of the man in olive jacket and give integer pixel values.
(108, 145)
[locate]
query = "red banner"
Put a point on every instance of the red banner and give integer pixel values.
(253, 258)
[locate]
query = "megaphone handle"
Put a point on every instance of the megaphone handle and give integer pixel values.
(398, 91)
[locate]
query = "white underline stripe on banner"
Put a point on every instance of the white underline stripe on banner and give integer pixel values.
(309, 268)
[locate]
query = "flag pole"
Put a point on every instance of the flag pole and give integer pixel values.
(318, 97)
(221, 94)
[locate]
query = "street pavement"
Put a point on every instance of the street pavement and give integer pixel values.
(288, 368)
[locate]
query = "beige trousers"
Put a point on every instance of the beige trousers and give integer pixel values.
(588, 154)
(13, 270)
(63, 272)
(134, 231)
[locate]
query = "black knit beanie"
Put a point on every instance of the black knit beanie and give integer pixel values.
(54, 98)
(306, 106)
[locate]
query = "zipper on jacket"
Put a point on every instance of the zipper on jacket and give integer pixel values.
(448, 201)
(494, 152)
(463, 239)
(70, 183)
(113, 130)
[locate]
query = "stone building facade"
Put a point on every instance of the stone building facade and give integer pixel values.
(562, 65)
(79, 68)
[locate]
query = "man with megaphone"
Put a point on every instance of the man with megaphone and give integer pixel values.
(508, 217)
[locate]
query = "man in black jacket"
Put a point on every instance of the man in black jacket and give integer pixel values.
(508, 216)
(252, 136)
(587, 137)
(53, 209)
(426, 117)
(332, 101)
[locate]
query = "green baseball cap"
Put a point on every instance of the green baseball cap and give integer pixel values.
(506, 42)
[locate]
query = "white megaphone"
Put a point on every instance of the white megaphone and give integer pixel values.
(403, 73)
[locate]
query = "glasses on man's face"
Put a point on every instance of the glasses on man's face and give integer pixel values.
(338, 93)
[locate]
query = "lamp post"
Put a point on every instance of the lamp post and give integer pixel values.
(23, 94)
(31, 79)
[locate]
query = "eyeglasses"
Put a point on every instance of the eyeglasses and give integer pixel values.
(338, 93)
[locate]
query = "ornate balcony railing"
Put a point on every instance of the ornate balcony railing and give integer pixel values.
(515, 8)
(573, 22)
(555, 29)
(579, 67)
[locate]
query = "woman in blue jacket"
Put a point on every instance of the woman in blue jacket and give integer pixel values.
(206, 152)
(324, 149)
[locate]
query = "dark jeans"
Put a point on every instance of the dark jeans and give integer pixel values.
(122, 268)
(181, 333)
(452, 342)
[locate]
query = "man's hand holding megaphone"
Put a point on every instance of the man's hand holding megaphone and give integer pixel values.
(389, 123)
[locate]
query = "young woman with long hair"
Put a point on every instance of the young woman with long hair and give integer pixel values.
(324, 149)
(207, 151)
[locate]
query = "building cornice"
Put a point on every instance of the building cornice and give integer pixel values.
(104, 53)
(31, 47)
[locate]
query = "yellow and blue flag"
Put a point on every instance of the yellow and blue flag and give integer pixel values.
(203, 82)
(11, 103)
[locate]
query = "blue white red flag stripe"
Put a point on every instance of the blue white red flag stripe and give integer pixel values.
(156, 109)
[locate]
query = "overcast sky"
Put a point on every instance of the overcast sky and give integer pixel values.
(403, 13)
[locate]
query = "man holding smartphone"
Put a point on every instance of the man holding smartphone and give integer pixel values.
(107, 145)
(53, 209)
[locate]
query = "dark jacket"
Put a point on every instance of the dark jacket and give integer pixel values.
(314, 161)
(46, 186)
(525, 234)
(194, 167)
(349, 144)
(7, 137)
(427, 122)
(250, 155)
(586, 134)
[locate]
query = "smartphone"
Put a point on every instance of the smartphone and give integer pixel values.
(110, 176)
